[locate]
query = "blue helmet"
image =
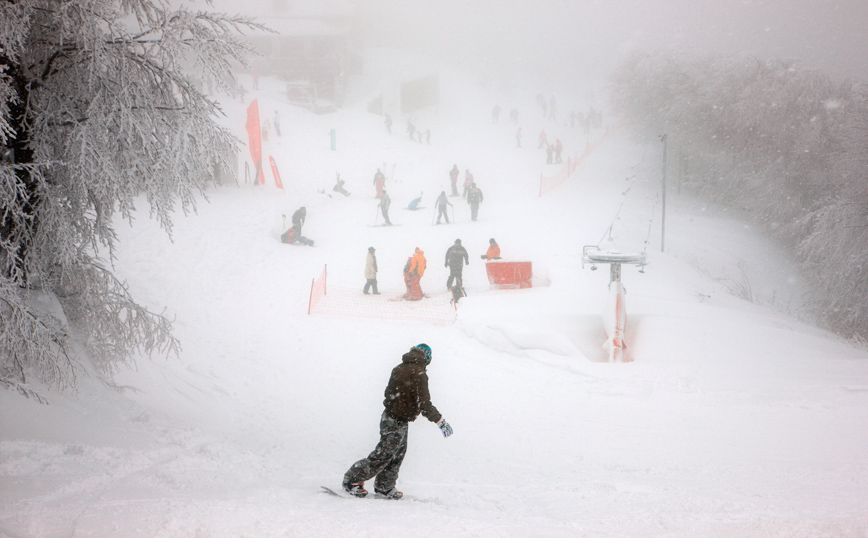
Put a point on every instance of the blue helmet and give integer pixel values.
(426, 350)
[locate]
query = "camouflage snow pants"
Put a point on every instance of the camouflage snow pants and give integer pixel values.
(385, 461)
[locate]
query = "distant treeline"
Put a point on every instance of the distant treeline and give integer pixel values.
(786, 144)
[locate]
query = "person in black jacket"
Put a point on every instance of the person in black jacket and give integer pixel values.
(298, 219)
(406, 397)
(454, 256)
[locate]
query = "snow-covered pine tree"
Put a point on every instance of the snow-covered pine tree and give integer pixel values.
(98, 106)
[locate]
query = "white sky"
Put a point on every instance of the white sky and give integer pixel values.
(549, 34)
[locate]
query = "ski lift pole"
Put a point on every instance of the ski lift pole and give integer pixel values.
(663, 217)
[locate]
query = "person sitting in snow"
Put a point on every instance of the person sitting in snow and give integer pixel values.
(414, 203)
(493, 251)
(339, 186)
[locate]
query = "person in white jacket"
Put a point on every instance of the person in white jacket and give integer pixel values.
(371, 272)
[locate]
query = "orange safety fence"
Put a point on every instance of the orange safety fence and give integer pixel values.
(547, 184)
(317, 290)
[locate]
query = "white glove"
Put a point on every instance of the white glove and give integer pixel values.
(445, 427)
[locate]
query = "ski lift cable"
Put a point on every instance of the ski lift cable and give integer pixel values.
(632, 180)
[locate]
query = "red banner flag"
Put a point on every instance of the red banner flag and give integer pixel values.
(274, 171)
(255, 141)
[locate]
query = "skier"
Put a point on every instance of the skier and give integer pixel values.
(518, 138)
(385, 202)
(371, 272)
(442, 204)
(493, 251)
(559, 147)
(413, 271)
(379, 182)
(550, 149)
(468, 181)
(453, 177)
(298, 218)
(406, 397)
(411, 130)
(513, 115)
(388, 122)
(543, 139)
(454, 256)
(474, 198)
(495, 114)
(276, 122)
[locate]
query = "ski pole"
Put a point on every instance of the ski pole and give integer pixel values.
(376, 214)
(284, 224)
(434, 215)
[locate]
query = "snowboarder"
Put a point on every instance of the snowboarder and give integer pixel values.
(453, 177)
(468, 181)
(493, 251)
(414, 203)
(442, 204)
(406, 397)
(413, 271)
(339, 186)
(379, 183)
(474, 198)
(454, 256)
(298, 218)
(385, 202)
(371, 272)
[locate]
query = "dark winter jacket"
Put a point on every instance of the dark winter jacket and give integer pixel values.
(407, 393)
(456, 258)
(474, 196)
(298, 217)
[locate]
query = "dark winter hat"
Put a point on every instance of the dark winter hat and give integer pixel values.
(425, 349)
(371, 249)
(458, 241)
(492, 241)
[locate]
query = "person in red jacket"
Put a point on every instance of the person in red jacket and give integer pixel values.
(406, 397)
(413, 272)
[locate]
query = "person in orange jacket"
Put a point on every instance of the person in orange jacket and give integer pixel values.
(413, 272)
(493, 251)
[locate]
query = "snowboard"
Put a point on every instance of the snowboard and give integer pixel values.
(339, 492)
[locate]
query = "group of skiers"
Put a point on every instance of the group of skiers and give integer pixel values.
(472, 193)
(455, 260)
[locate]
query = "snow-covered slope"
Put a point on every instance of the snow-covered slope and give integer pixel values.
(734, 419)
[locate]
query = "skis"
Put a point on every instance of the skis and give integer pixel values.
(382, 225)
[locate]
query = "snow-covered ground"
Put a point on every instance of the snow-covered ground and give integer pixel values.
(735, 418)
